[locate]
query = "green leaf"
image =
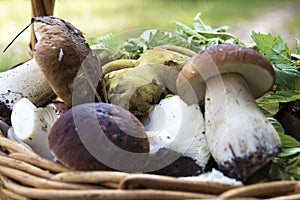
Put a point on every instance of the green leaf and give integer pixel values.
(285, 168)
(274, 48)
(220, 35)
(161, 38)
(287, 76)
(276, 172)
(199, 25)
(287, 164)
(204, 35)
(289, 152)
(270, 101)
(183, 29)
(276, 125)
(287, 141)
(222, 29)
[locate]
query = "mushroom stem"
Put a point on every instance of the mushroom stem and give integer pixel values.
(23, 81)
(239, 136)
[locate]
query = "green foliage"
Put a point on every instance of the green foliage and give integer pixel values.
(203, 35)
(286, 89)
(275, 49)
(286, 166)
(133, 47)
(197, 38)
(287, 84)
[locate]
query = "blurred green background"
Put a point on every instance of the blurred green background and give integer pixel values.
(97, 18)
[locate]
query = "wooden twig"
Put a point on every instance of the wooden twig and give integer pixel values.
(11, 195)
(39, 182)
(107, 178)
(39, 193)
(38, 161)
(287, 197)
(134, 181)
(14, 146)
(263, 190)
(17, 164)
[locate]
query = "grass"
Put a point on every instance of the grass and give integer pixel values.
(97, 18)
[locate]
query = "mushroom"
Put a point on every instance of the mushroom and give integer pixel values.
(61, 51)
(31, 125)
(174, 125)
(138, 85)
(99, 136)
(23, 81)
(229, 77)
(57, 58)
(93, 136)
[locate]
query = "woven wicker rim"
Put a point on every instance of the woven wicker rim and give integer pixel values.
(26, 175)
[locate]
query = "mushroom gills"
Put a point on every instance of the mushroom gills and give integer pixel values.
(179, 127)
(31, 125)
(240, 138)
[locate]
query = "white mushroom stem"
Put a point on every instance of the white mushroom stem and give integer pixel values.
(31, 125)
(239, 136)
(23, 81)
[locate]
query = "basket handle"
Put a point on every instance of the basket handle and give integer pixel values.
(39, 8)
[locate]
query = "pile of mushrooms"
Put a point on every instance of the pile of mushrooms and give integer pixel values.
(96, 128)
(58, 56)
(62, 61)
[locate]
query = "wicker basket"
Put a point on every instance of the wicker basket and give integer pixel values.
(25, 175)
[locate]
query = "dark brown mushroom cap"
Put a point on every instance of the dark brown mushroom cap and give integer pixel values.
(118, 125)
(60, 50)
(224, 58)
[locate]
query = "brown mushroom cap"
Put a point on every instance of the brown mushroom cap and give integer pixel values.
(60, 50)
(224, 58)
(117, 124)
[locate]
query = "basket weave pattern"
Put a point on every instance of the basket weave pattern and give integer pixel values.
(26, 175)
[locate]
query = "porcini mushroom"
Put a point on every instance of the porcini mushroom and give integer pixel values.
(229, 77)
(140, 84)
(60, 51)
(98, 136)
(174, 125)
(57, 57)
(31, 125)
(23, 81)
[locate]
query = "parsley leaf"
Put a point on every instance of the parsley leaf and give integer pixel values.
(287, 84)
(275, 49)
(204, 35)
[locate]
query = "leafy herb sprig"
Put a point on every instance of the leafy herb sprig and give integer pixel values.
(195, 38)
